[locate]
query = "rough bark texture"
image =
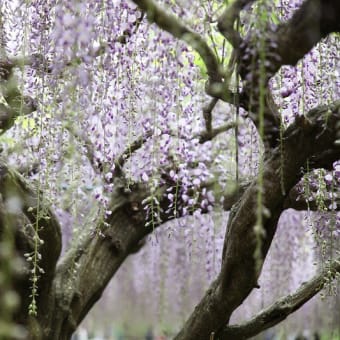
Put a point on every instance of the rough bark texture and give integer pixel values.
(283, 307)
(304, 139)
(82, 276)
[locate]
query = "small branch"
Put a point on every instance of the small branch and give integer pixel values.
(205, 136)
(227, 20)
(207, 114)
(133, 147)
(175, 27)
(221, 91)
(282, 308)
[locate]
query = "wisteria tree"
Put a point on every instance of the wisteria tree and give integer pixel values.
(117, 117)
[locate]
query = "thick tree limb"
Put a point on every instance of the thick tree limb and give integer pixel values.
(240, 271)
(283, 307)
(285, 45)
(314, 20)
(30, 205)
(102, 253)
(290, 42)
(88, 267)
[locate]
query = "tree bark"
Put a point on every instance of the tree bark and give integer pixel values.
(304, 139)
(68, 291)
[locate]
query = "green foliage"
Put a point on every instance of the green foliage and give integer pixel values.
(198, 61)
(27, 123)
